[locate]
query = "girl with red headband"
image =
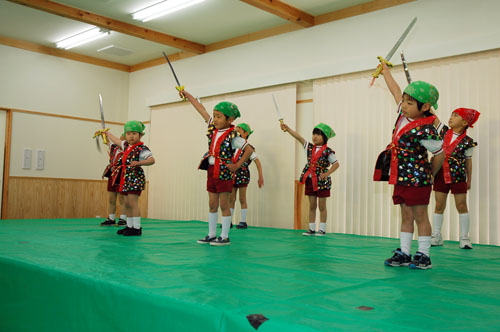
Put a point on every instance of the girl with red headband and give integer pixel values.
(456, 173)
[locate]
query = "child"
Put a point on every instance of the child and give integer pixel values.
(316, 174)
(223, 140)
(410, 171)
(111, 172)
(132, 179)
(456, 173)
(242, 177)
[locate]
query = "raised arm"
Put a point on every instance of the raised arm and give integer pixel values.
(261, 175)
(292, 132)
(196, 104)
(391, 83)
(113, 139)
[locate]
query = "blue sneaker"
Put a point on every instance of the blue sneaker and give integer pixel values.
(220, 242)
(207, 239)
(242, 225)
(421, 261)
(309, 232)
(399, 259)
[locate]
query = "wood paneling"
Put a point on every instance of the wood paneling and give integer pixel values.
(40, 198)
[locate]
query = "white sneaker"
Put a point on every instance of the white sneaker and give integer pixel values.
(465, 244)
(436, 240)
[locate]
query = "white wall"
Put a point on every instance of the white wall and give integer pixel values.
(444, 28)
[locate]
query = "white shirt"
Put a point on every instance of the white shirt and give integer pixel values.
(468, 152)
(143, 155)
(332, 159)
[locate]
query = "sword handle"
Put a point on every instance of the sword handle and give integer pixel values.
(180, 89)
(281, 122)
(377, 71)
(104, 138)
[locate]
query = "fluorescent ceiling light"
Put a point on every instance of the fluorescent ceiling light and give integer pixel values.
(162, 8)
(82, 38)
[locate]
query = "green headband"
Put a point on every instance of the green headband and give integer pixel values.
(423, 92)
(326, 129)
(228, 109)
(246, 128)
(133, 125)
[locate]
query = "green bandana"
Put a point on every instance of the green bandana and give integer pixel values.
(326, 129)
(133, 125)
(228, 109)
(246, 128)
(423, 92)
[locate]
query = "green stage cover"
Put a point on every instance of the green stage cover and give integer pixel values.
(73, 275)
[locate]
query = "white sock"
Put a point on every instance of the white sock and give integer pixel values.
(437, 223)
(226, 224)
(123, 216)
(405, 239)
(322, 226)
(137, 222)
(212, 223)
(424, 244)
(464, 225)
(112, 216)
(244, 215)
(312, 226)
(130, 222)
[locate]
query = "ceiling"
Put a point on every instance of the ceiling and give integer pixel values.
(212, 21)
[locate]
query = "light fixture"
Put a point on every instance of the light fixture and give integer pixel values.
(162, 8)
(82, 38)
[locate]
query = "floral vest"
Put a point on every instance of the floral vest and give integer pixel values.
(454, 170)
(242, 175)
(132, 178)
(223, 152)
(114, 160)
(316, 165)
(409, 160)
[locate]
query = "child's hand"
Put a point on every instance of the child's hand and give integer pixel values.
(233, 167)
(385, 68)
(323, 176)
(261, 182)
(184, 94)
(284, 127)
(134, 163)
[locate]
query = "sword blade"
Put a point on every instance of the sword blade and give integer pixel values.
(405, 66)
(400, 40)
(277, 108)
(171, 68)
(103, 124)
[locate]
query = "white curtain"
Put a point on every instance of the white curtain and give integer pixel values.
(178, 140)
(363, 118)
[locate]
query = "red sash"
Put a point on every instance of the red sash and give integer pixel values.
(215, 147)
(395, 143)
(448, 150)
(124, 162)
(312, 167)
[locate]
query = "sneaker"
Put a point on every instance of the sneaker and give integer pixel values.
(108, 222)
(465, 243)
(320, 233)
(220, 242)
(309, 233)
(121, 231)
(206, 239)
(436, 240)
(122, 222)
(242, 225)
(130, 231)
(399, 259)
(421, 261)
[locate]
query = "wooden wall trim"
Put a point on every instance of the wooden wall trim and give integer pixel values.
(6, 163)
(304, 101)
(65, 116)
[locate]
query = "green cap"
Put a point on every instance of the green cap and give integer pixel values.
(228, 109)
(423, 92)
(134, 125)
(326, 129)
(246, 128)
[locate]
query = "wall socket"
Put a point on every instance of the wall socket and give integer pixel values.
(27, 159)
(40, 159)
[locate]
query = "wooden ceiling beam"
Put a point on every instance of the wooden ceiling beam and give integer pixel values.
(112, 24)
(283, 10)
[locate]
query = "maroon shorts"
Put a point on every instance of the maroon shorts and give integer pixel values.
(411, 196)
(241, 185)
(318, 193)
(111, 188)
(132, 192)
(217, 185)
(456, 188)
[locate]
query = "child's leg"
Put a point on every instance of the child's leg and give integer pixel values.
(313, 205)
(461, 204)
(128, 211)
(243, 204)
(213, 205)
(111, 204)
(123, 212)
(232, 199)
(133, 201)
(407, 227)
(424, 228)
(322, 213)
(437, 219)
(226, 214)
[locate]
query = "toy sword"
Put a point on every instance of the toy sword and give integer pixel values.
(405, 66)
(280, 118)
(103, 124)
(179, 87)
(389, 55)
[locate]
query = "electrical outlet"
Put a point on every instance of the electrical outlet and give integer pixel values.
(27, 159)
(40, 159)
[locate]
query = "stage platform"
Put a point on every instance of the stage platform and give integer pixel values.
(73, 275)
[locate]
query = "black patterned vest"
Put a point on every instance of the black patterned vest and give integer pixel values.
(242, 175)
(321, 166)
(114, 160)
(454, 170)
(132, 178)
(224, 155)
